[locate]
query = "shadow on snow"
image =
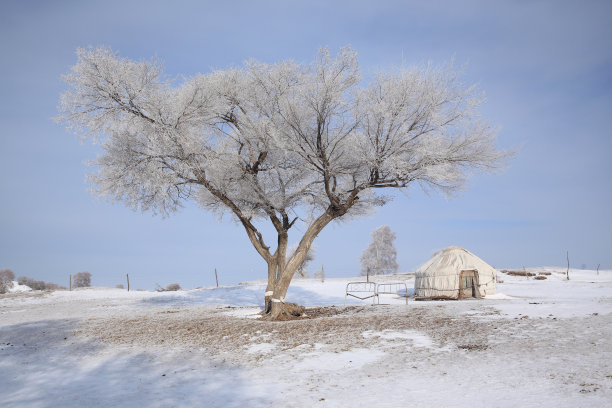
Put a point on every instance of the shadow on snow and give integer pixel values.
(43, 364)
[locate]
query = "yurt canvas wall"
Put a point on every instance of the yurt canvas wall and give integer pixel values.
(440, 277)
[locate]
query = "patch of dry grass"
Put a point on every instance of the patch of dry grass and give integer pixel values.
(338, 328)
(516, 272)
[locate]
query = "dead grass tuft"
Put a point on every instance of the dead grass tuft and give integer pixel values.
(516, 272)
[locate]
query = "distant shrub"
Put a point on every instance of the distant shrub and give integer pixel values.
(6, 280)
(32, 283)
(544, 273)
(81, 280)
(540, 277)
(119, 286)
(54, 286)
(172, 287)
(39, 285)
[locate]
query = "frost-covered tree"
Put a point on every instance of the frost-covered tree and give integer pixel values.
(380, 256)
(81, 280)
(283, 143)
(7, 277)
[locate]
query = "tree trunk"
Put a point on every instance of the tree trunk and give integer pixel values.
(279, 307)
(270, 286)
(285, 272)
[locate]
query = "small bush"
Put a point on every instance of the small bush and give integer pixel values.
(540, 277)
(81, 280)
(172, 287)
(32, 283)
(544, 273)
(5, 286)
(54, 286)
(39, 285)
(119, 286)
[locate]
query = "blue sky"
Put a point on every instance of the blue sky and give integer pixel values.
(545, 66)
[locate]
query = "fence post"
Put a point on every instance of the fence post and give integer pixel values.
(127, 276)
(216, 277)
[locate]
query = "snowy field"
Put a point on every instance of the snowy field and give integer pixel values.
(536, 343)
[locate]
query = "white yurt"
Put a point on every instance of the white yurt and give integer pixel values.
(454, 273)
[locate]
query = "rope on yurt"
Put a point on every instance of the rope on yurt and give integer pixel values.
(453, 289)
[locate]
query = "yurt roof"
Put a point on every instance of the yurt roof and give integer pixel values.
(455, 259)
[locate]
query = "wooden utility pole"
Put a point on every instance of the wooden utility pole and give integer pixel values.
(127, 276)
(567, 273)
(70, 279)
(216, 277)
(368, 274)
(598, 269)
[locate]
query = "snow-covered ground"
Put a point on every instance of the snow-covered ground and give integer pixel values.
(535, 343)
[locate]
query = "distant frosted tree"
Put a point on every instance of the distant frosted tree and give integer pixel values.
(7, 275)
(6, 280)
(278, 144)
(81, 280)
(320, 274)
(380, 256)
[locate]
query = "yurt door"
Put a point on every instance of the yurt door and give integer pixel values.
(468, 284)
